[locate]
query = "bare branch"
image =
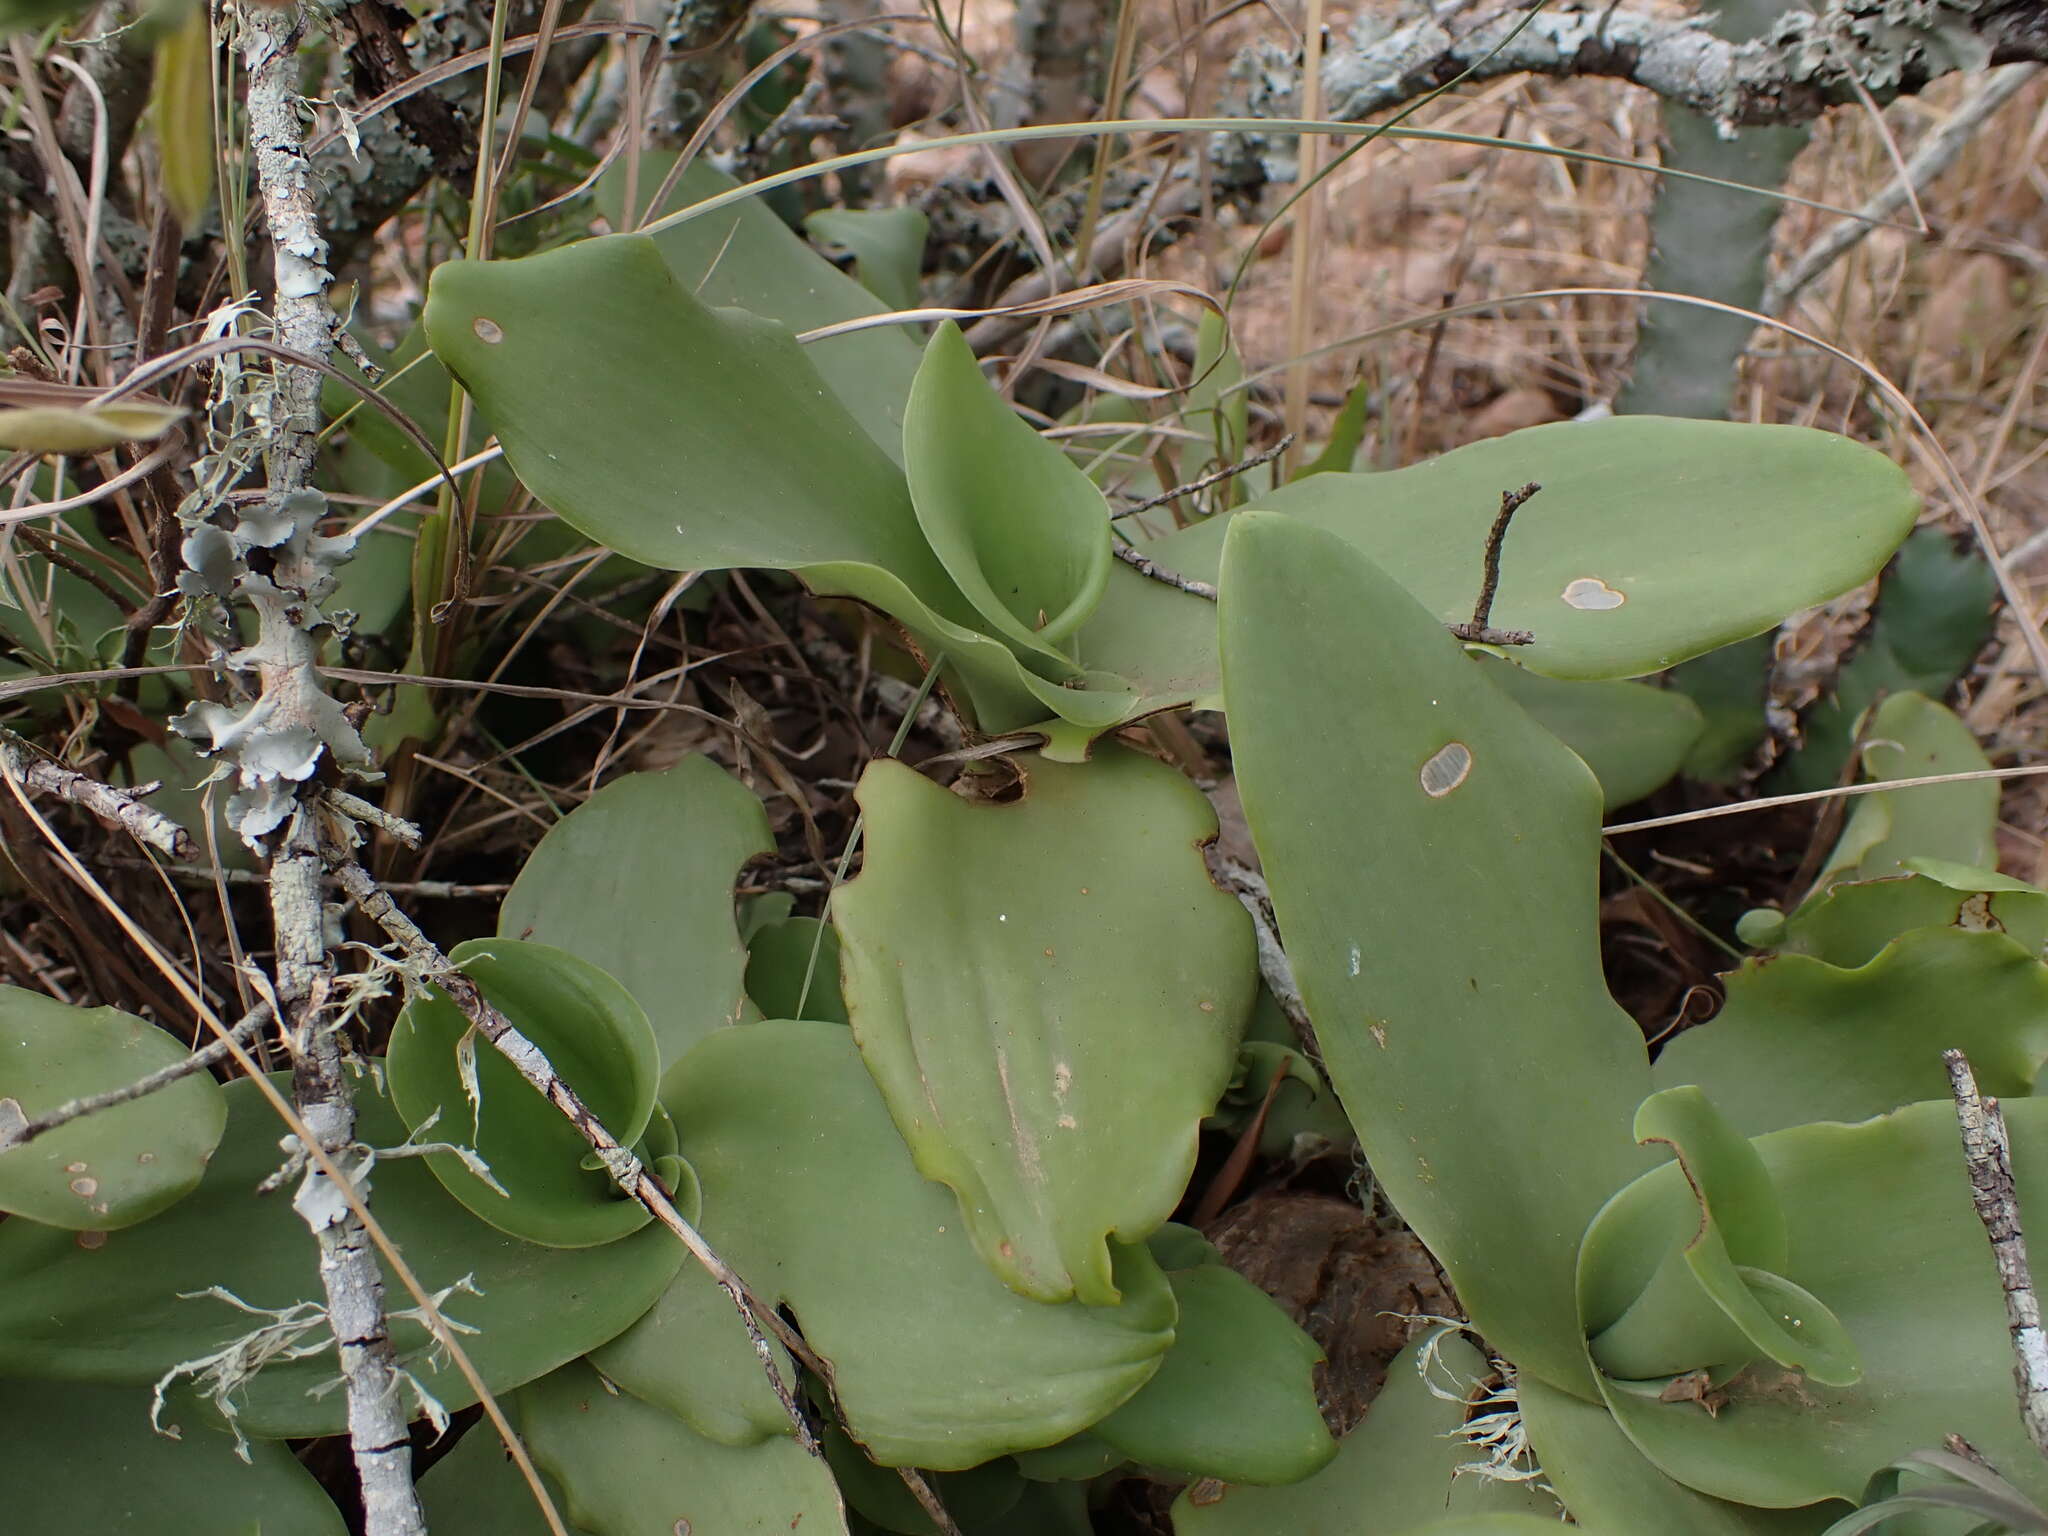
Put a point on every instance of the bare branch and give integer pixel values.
(1987, 1154)
(1811, 61)
(121, 808)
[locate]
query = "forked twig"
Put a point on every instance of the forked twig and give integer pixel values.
(121, 808)
(1987, 1154)
(1214, 477)
(1478, 631)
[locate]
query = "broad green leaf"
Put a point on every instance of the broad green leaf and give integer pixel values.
(86, 429)
(129, 1308)
(1653, 540)
(745, 256)
(476, 1490)
(1235, 1397)
(1848, 923)
(1446, 943)
(626, 1469)
(1882, 1232)
(181, 110)
(1931, 617)
(452, 1086)
(638, 880)
(1634, 737)
(811, 1194)
(1050, 994)
(1612, 1490)
(1397, 1473)
(1022, 532)
(1800, 1040)
(793, 970)
(690, 1357)
(114, 1167)
(1909, 736)
(78, 1459)
(887, 245)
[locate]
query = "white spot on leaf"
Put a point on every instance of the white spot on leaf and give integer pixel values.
(1446, 770)
(488, 331)
(1592, 594)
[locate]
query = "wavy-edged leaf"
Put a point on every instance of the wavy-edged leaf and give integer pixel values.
(116, 1166)
(627, 1469)
(1402, 1464)
(84, 1459)
(452, 1086)
(1654, 540)
(1882, 1231)
(1235, 1397)
(1851, 921)
(811, 1194)
(1022, 532)
(638, 881)
(116, 1311)
(1801, 1040)
(1050, 994)
(1909, 736)
(1446, 943)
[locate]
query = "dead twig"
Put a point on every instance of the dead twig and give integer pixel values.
(1478, 630)
(1214, 477)
(121, 808)
(1987, 1154)
(1144, 565)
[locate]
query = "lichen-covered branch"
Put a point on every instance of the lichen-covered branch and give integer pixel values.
(122, 808)
(1809, 61)
(1987, 1156)
(271, 558)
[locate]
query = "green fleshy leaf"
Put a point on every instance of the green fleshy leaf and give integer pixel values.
(1909, 736)
(1446, 945)
(1235, 1397)
(1216, 407)
(78, 1458)
(1882, 1230)
(1800, 1040)
(1402, 1464)
(690, 1357)
(117, 1166)
(1056, 1086)
(811, 1194)
(745, 256)
(779, 958)
(1634, 737)
(86, 429)
(638, 881)
(1932, 616)
(1612, 1490)
(599, 1042)
(887, 246)
(127, 1310)
(1850, 922)
(1642, 508)
(1346, 433)
(1022, 532)
(626, 1469)
(476, 1490)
